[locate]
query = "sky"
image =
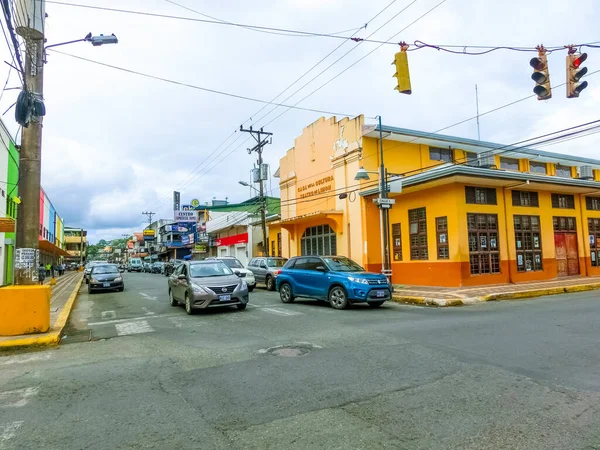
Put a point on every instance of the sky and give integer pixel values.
(116, 144)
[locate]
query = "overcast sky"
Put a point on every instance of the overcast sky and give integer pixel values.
(116, 144)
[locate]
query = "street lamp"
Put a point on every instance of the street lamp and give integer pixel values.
(95, 40)
(244, 183)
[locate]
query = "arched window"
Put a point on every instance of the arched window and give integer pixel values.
(319, 240)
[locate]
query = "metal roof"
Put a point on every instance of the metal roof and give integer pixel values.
(434, 139)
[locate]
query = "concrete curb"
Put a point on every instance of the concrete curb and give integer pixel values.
(517, 295)
(51, 337)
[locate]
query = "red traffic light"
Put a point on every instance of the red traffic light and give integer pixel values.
(577, 62)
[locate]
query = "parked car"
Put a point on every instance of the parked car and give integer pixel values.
(158, 267)
(105, 277)
(171, 266)
(88, 269)
(147, 267)
(135, 265)
(266, 269)
(234, 264)
(336, 279)
(206, 284)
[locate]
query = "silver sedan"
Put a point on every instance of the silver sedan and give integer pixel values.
(207, 284)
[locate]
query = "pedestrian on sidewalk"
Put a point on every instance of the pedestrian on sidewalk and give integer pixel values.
(41, 273)
(62, 269)
(48, 268)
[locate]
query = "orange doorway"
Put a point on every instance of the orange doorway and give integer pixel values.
(567, 255)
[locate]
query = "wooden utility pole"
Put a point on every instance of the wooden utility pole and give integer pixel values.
(260, 143)
(28, 231)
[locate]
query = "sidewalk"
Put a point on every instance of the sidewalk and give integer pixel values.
(63, 298)
(443, 296)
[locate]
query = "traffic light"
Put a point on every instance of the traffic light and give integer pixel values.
(402, 74)
(540, 75)
(575, 72)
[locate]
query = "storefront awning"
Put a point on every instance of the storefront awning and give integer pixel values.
(333, 217)
(49, 247)
(7, 225)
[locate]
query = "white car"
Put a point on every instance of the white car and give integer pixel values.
(234, 264)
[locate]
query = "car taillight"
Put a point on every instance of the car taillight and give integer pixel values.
(277, 272)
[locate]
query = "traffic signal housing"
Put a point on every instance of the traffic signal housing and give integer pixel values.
(402, 74)
(541, 75)
(574, 73)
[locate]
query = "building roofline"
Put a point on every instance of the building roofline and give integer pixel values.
(462, 169)
(478, 143)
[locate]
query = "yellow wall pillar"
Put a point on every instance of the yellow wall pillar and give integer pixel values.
(24, 310)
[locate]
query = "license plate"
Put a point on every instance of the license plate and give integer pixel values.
(106, 285)
(380, 293)
(225, 298)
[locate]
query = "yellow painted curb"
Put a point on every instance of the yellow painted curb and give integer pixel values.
(408, 299)
(541, 292)
(52, 337)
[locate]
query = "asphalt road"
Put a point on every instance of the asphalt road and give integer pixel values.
(134, 372)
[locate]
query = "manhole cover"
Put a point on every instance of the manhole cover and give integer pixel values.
(290, 351)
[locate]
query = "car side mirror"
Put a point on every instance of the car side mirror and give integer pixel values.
(263, 266)
(321, 269)
(181, 277)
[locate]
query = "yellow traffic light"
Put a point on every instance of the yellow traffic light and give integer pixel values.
(541, 75)
(575, 72)
(402, 74)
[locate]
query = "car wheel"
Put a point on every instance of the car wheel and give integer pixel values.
(270, 282)
(338, 298)
(285, 293)
(375, 304)
(121, 289)
(87, 281)
(188, 305)
(251, 288)
(241, 306)
(172, 300)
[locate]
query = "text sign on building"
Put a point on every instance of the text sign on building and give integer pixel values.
(195, 202)
(241, 238)
(187, 208)
(148, 235)
(186, 216)
(316, 187)
(176, 201)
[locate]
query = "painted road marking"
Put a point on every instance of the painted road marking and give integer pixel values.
(127, 328)
(147, 297)
(109, 314)
(147, 311)
(17, 398)
(22, 359)
(8, 431)
(281, 312)
(107, 322)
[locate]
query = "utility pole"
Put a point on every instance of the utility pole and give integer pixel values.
(125, 250)
(149, 214)
(28, 231)
(260, 143)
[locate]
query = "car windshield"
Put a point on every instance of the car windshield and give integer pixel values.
(105, 269)
(232, 263)
(216, 269)
(341, 264)
(276, 262)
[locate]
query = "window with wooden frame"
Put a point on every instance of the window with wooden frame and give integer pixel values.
(509, 164)
(272, 248)
(528, 242)
(538, 167)
(441, 228)
(484, 248)
(563, 171)
(397, 241)
(417, 219)
(592, 203)
(560, 223)
(563, 201)
(278, 244)
(594, 231)
(480, 195)
(440, 154)
(525, 198)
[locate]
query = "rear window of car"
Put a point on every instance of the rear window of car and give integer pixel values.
(276, 262)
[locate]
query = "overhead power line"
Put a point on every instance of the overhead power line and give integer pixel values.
(192, 86)
(301, 33)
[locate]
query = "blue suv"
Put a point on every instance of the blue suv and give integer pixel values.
(336, 279)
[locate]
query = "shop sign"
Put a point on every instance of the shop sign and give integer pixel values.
(187, 208)
(195, 202)
(149, 235)
(200, 248)
(241, 238)
(186, 216)
(319, 186)
(191, 238)
(185, 239)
